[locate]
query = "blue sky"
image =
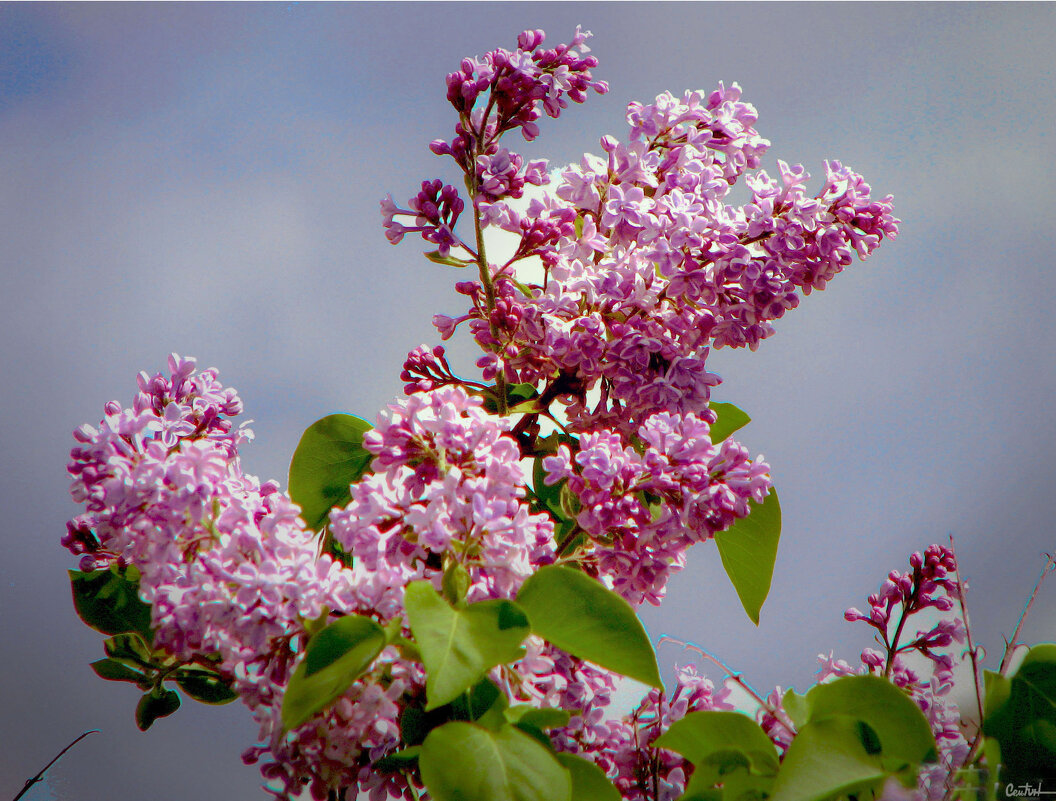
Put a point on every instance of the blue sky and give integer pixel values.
(205, 179)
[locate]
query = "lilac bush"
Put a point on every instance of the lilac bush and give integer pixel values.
(588, 449)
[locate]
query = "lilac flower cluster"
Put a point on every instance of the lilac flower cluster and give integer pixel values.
(932, 583)
(230, 571)
(622, 748)
(647, 267)
(643, 510)
(447, 483)
(501, 92)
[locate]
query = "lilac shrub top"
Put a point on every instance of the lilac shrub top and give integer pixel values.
(588, 439)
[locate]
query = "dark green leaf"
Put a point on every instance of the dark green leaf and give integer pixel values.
(549, 495)
(748, 550)
(328, 459)
(589, 782)
(541, 718)
(205, 687)
(129, 648)
(109, 602)
(459, 646)
(1021, 716)
(112, 670)
(730, 419)
(407, 759)
(153, 706)
(581, 616)
(455, 584)
(465, 762)
(335, 657)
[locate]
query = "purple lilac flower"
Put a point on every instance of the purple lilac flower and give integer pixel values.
(622, 748)
(643, 510)
(231, 572)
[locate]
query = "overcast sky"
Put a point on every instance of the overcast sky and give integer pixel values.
(205, 179)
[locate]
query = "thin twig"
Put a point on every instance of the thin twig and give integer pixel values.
(40, 776)
(976, 741)
(1010, 645)
(777, 713)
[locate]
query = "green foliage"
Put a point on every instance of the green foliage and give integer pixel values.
(448, 261)
(589, 782)
(729, 420)
(158, 703)
(459, 645)
(334, 658)
(732, 756)
(131, 650)
(112, 670)
(465, 762)
(328, 459)
(204, 686)
(108, 601)
(1021, 717)
(484, 704)
(859, 731)
(582, 616)
(748, 550)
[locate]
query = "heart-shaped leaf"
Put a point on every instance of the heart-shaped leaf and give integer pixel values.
(729, 420)
(459, 646)
(748, 550)
(465, 762)
(580, 615)
(328, 459)
(334, 658)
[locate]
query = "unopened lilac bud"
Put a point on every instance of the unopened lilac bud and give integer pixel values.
(529, 40)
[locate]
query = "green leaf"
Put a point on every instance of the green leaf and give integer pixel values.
(748, 550)
(1021, 716)
(448, 261)
(112, 670)
(334, 658)
(208, 688)
(459, 646)
(465, 762)
(406, 759)
(589, 782)
(485, 704)
(328, 459)
(540, 718)
(549, 495)
(129, 648)
(156, 704)
(730, 419)
(904, 734)
(108, 601)
(796, 707)
(827, 760)
(701, 735)
(580, 615)
(455, 584)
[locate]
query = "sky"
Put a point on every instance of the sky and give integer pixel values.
(205, 179)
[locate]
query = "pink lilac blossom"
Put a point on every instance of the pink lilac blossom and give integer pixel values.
(622, 748)
(642, 510)
(932, 583)
(447, 480)
(229, 569)
(648, 268)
